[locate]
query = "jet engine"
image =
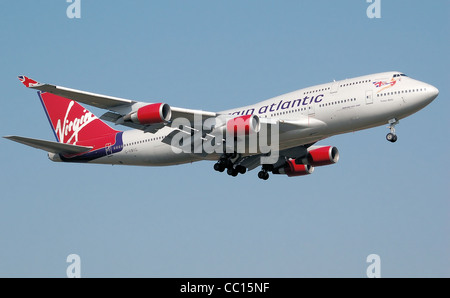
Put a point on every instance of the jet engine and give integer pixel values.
(321, 156)
(151, 114)
(292, 169)
(243, 125)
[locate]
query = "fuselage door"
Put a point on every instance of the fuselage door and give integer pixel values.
(334, 87)
(312, 109)
(369, 97)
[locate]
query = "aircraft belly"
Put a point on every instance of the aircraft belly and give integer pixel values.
(154, 155)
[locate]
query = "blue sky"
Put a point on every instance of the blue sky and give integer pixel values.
(190, 221)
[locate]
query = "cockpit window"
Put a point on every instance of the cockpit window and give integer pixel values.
(403, 75)
(400, 75)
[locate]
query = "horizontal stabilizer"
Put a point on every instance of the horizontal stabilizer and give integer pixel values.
(49, 146)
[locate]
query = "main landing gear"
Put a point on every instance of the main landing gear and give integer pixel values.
(264, 173)
(227, 162)
(392, 137)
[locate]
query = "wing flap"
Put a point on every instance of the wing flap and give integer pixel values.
(49, 146)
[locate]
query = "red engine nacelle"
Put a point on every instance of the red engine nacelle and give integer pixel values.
(151, 114)
(323, 156)
(243, 125)
(292, 169)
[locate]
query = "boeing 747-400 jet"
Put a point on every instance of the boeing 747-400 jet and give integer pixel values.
(279, 134)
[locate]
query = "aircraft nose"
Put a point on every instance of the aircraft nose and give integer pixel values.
(434, 92)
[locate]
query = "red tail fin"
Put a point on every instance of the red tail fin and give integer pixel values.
(72, 123)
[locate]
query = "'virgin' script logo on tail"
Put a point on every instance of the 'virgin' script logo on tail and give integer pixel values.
(71, 127)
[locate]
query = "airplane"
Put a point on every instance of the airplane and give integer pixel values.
(162, 135)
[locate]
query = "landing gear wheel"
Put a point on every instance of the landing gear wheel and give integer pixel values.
(263, 175)
(241, 169)
(219, 167)
(391, 137)
(232, 172)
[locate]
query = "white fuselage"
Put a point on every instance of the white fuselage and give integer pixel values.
(343, 106)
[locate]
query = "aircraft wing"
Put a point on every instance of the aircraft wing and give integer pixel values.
(96, 100)
(49, 146)
(118, 107)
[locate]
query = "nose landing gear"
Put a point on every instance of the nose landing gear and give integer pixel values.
(392, 137)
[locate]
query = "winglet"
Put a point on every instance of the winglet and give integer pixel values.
(29, 83)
